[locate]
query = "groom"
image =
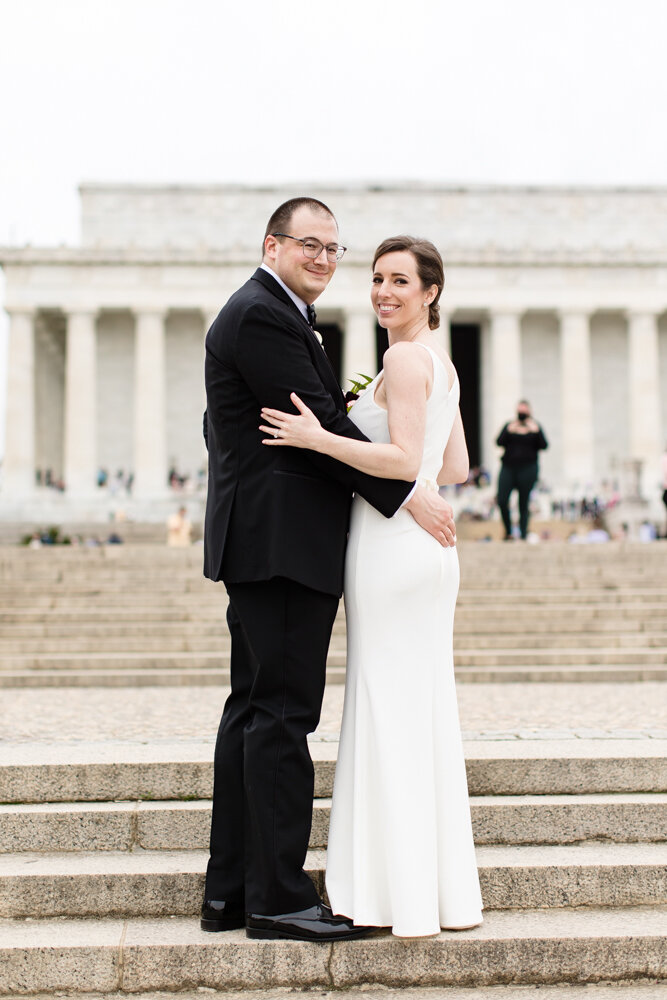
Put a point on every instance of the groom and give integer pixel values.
(275, 533)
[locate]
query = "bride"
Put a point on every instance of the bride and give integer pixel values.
(401, 851)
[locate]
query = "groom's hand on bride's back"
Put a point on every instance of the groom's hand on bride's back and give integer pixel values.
(433, 514)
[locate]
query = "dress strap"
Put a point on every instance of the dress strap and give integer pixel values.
(425, 346)
(436, 357)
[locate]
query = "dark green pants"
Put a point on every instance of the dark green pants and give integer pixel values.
(521, 478)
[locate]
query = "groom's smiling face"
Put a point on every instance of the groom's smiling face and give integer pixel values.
(306, 277)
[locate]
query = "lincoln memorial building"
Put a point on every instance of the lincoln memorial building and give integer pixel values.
(556, 295)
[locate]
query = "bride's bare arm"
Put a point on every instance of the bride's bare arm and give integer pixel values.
(406, 378)
(455, 461)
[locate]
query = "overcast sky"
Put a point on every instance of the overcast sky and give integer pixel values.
(518, 91)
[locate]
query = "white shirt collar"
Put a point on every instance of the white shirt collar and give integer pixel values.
(299, 303)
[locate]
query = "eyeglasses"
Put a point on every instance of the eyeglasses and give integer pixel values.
(313, 248)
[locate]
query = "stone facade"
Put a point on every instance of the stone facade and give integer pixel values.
(561, 292)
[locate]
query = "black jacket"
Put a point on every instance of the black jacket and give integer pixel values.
(276, 511)
(521, 449)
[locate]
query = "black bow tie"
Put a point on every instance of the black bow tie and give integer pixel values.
(312, 317)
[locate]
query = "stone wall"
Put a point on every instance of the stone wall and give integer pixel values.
(544, 220)
(185, 397)
(115, 396)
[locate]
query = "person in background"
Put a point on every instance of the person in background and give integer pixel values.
(522, 439)
(599, 531)
(179, 529)
(647, 532)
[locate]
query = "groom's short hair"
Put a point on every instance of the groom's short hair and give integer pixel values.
(282, 216)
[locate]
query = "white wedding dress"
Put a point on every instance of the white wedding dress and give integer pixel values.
(401, 851)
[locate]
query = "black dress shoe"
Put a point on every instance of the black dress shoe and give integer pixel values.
(317, 923)
(222, 915)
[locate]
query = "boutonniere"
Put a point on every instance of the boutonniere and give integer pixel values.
(359, 385)
(319, 337)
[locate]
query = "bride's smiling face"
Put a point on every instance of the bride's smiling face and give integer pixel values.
(397, 294)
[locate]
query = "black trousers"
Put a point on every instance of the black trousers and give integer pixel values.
(263, 773)
(516, 477)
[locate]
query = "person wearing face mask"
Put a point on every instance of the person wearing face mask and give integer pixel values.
(522, 439)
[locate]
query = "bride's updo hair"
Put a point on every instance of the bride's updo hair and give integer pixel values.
(430, 268)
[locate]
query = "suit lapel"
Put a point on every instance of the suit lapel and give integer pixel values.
(272, 286)
(322, 362)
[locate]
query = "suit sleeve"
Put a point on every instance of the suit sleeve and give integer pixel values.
(274, 360)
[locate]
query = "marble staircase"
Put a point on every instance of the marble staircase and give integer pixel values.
(144, 615)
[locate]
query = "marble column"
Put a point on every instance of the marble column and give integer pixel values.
(150, 411)
(19, 461)
(645, 439)
(505, 349)
(210, 315)
(80, 439)
(576, 401)
(359, 346)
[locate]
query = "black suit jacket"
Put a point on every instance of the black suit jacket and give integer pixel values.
(276, 511)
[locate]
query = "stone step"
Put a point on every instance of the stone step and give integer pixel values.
(500, 600)
(547, 632)
(219, 658)
(553, 572)
(160, 660)
(554, 581)
(573, 673)
(98, 579)
(136, 534)
(638, 558)
(476, 554)
(184, 826)
(530, 947)
(595, 614)
(558, 618)
(123, 598)
(91, 615)
(609, 597)
(92, 677)
(561, 657)
(481, 551)
(174, 588)
(115, 770)
(553, 577)
(162, 883)
(583, 639)
(213, 676)
(622, 990)
(634, 644)
(551, 569)
(102, 644)
(548, 627)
